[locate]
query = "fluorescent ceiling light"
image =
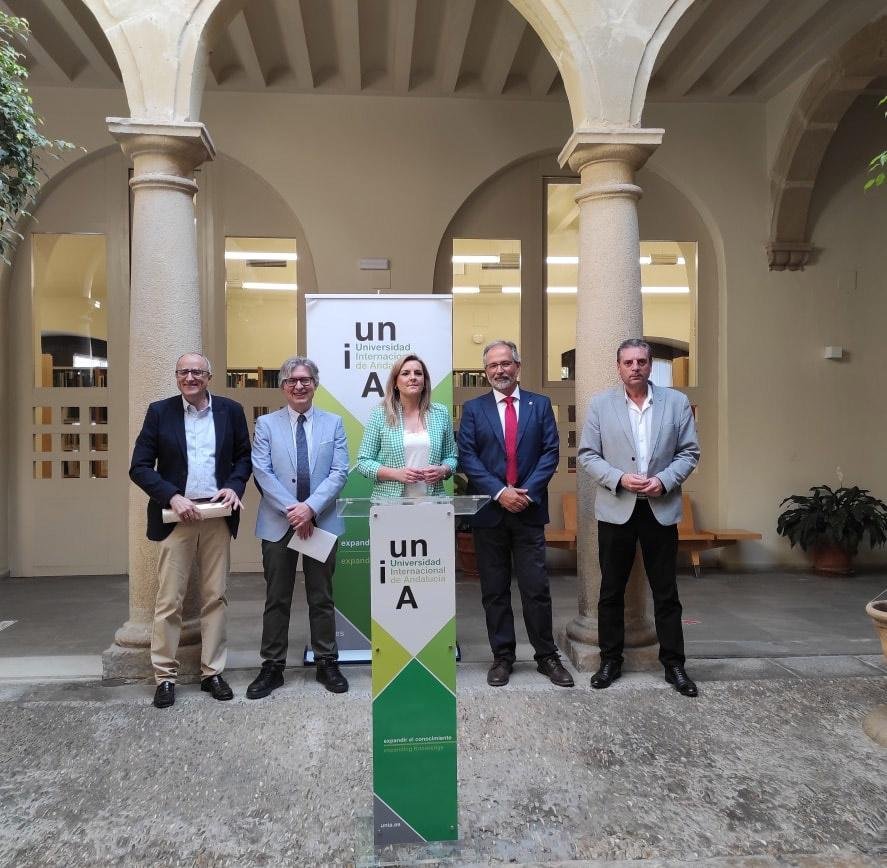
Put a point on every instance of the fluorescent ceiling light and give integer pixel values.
(646, 260)
(511, 290)
(260, 255)
(681, 261)
(665, 290)
(477, 260)
(89, 362)
(562, 260)
(278, 287)
(561, 290)
(466, 290)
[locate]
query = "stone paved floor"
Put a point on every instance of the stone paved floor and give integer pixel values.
(752, 773)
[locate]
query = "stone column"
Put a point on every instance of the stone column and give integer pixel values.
(608, 311)
(165, 322)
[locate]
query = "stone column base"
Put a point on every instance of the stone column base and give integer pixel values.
(134, 664)
(587, 658)
(875, 725)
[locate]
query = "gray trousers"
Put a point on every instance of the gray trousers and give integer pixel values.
(280, 565)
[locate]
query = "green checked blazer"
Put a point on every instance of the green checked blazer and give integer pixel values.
(382, 446)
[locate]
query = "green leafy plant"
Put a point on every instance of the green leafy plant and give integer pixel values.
(22, 145)
(840, 518)
(878, 163)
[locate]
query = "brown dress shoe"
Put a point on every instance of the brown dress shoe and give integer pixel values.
(499, 672)
(553, 669)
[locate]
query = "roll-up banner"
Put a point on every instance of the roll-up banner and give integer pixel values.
(354, 340)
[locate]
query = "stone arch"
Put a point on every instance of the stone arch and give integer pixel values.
(829, 93)
(161, 51)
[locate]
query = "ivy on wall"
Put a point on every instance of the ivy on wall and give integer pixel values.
(22, 144)
(878, 163)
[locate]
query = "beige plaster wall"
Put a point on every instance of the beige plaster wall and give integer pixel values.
(787, 417)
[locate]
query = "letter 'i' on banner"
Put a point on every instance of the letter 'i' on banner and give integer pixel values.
(354, 340)
(414, 673)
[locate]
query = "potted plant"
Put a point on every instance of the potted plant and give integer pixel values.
(464, 537)
(832, 524)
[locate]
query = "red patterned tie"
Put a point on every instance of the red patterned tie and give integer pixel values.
(510, 441)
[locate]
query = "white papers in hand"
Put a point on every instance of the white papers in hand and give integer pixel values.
(207, 510)
(317, 546)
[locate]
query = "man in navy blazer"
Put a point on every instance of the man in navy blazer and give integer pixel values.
(193, 448)
(509, 449)
(300, 462)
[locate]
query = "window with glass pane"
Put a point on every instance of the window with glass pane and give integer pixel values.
(668, 290)
(486, 302)
(70, 291)
(261, 305)
(562, 278)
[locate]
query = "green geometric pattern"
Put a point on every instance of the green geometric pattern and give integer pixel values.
(414, 752)
(389, 657)
(439, 655)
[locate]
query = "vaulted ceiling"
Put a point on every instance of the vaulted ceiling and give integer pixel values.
(719, 50)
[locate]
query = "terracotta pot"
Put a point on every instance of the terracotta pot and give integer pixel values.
(832, 560)
(466, 553)
(877, 611)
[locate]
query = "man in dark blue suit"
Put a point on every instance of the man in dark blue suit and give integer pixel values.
(193, 448)
(509, 449)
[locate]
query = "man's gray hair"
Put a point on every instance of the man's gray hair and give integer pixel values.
(287, 368)
(206, 361)
(500, 343)
(637, 344)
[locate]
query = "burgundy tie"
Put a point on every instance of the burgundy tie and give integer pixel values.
(510, 441)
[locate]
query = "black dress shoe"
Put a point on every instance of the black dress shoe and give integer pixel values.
(330, 676)
(675, 675)
(270, 677)
(554, 670)
(610, 670)
(499, 672)
(165, 695)
(217, 687)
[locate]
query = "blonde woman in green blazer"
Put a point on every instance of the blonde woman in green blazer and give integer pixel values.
(408, 447)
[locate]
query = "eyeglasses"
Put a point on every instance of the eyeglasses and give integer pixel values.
(197, 373)
(292, 382)
(492, 366)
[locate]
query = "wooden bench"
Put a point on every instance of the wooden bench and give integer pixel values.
(564, 538)
(694, 541)
(690, 539)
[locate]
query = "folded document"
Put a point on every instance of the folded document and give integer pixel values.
(207, 510)
(317, 546)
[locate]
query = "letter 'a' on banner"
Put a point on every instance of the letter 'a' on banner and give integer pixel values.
(354, 340)
(414, 672)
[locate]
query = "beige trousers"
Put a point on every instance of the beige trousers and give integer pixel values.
(209, 542)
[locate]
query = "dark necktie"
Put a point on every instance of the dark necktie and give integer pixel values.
(510, 441)
(303, 473)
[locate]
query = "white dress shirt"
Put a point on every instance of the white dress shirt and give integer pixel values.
(200, 438)
(641, 419)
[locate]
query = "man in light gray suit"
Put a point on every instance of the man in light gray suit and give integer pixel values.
(639, 444)
(300, 461)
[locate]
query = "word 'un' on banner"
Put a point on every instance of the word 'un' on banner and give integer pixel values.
(413, 599)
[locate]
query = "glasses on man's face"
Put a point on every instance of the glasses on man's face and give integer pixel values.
(197, 373)
(292, 382)
(495, 366)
